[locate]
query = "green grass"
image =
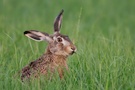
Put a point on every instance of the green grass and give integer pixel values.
(103, 31)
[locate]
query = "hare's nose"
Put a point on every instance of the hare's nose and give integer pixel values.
(73, 48)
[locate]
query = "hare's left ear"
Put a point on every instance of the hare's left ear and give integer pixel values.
(38, 36)
(57, 22)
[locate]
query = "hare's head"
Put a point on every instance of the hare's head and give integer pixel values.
(58, 44)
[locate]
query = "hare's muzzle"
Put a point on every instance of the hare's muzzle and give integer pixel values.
(73, 50)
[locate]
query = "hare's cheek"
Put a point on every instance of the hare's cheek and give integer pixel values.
(68, 49)
(60, 46)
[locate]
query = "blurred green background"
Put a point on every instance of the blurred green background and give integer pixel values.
(102, 30)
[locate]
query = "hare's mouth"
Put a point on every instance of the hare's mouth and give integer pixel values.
(72, 52)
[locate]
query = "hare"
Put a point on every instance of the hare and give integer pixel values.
(54, 59)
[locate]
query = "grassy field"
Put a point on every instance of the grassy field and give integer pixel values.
(103, 31)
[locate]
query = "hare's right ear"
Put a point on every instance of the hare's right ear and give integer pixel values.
(57, 22)
(38, 36)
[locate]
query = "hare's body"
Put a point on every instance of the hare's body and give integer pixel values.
(43, 65)
(48, 62)
(54, 59)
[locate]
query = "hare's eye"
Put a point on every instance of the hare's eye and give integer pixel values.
(59, 39)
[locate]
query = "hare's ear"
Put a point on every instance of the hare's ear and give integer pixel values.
(57, 22)
(38, 36)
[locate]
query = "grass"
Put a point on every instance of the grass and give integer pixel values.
(103, 31)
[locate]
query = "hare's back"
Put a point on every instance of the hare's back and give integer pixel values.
(34, 68)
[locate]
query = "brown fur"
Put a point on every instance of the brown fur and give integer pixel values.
(54, 59)
(48, 62)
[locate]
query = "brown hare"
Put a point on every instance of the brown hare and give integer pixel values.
(54, 59)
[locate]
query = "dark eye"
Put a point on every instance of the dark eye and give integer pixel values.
(59, 39)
